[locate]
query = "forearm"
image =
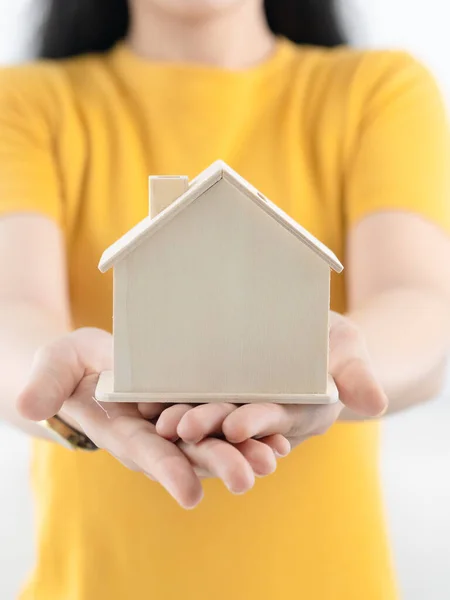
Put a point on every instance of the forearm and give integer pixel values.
(407, 332)
(23, 329)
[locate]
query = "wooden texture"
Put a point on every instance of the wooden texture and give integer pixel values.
(122, 350)
(163, 191)
(198, 187)
(222, 302)
(105, 393)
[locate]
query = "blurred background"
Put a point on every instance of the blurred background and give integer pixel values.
(416, 445)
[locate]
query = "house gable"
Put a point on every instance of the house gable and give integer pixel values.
(199, 186)
(227, 300)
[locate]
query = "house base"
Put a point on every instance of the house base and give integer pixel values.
(105, 393)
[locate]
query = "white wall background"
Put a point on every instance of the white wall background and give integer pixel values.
(416, 450)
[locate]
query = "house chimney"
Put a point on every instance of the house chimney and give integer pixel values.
(165, 190)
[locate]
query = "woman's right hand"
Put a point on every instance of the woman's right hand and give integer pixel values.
(63, 381)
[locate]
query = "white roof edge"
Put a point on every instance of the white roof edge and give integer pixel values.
(216, 171)
(283, 218)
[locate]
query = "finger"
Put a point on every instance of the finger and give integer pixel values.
(124, 433)
(167, 423)
(278, 443)
(203, 421)
(259, 456)
(151, 410)
(57, 369)
(292, 421)
(202, 474)
(259, 420)
(352, 371)
(54, 376)
(221, 460)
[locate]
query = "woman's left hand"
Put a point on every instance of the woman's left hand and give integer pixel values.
(350, 367)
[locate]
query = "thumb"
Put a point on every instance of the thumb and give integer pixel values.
(57, 370)
(351, 369)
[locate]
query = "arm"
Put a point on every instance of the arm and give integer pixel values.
(34, 308)
(47, 369)
(392, 343)
(397, 213)
(398, 273)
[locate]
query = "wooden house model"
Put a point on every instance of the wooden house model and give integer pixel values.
(218, 296)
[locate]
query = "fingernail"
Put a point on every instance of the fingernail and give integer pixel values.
(175, 493)
(192, 440)
(383, 412)
(234, 491)
(278, 455)
(267, 473)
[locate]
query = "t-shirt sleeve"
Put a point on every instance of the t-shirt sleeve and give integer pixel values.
(29, 179)
(400, 156)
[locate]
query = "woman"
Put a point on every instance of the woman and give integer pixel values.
(351, 144)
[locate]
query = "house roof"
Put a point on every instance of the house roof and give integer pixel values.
(217, 171)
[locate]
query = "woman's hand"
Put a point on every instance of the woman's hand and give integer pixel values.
(63, 381)
(350, 367)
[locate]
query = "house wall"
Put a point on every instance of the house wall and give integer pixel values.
(122, 365)
(223, 299)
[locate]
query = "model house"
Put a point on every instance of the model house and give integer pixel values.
(218, 295)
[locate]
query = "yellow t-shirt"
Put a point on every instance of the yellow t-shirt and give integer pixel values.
(330, 136)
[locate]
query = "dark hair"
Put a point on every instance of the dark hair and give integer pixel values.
(74, 27)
